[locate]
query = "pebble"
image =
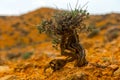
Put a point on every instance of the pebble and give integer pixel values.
(6, 77)
(117, 72)
(4, 68)
(113, 67)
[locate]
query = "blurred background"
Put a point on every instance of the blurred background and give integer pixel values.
(17, 7)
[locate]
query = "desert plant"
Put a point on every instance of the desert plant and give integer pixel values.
(112, 34)
(11, 56)
(63, 28)
(16, 25)
(27, 55)
(94, 30)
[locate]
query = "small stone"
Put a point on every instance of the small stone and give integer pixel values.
(113, 67)
(4, 68)
(117, 72)
(80, 76)
(104, 73)
(6, 77)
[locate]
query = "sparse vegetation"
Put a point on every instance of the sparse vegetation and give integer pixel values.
(27, 55)
(112, 34)
(11, 56)
(93, 33)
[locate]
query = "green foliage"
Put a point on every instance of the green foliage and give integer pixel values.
(11, 56)
(112, 34)
(105, 59)
(61, 21)
(93, 31)
(27, 55)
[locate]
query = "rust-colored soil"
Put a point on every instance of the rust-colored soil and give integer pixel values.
(24, 52)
